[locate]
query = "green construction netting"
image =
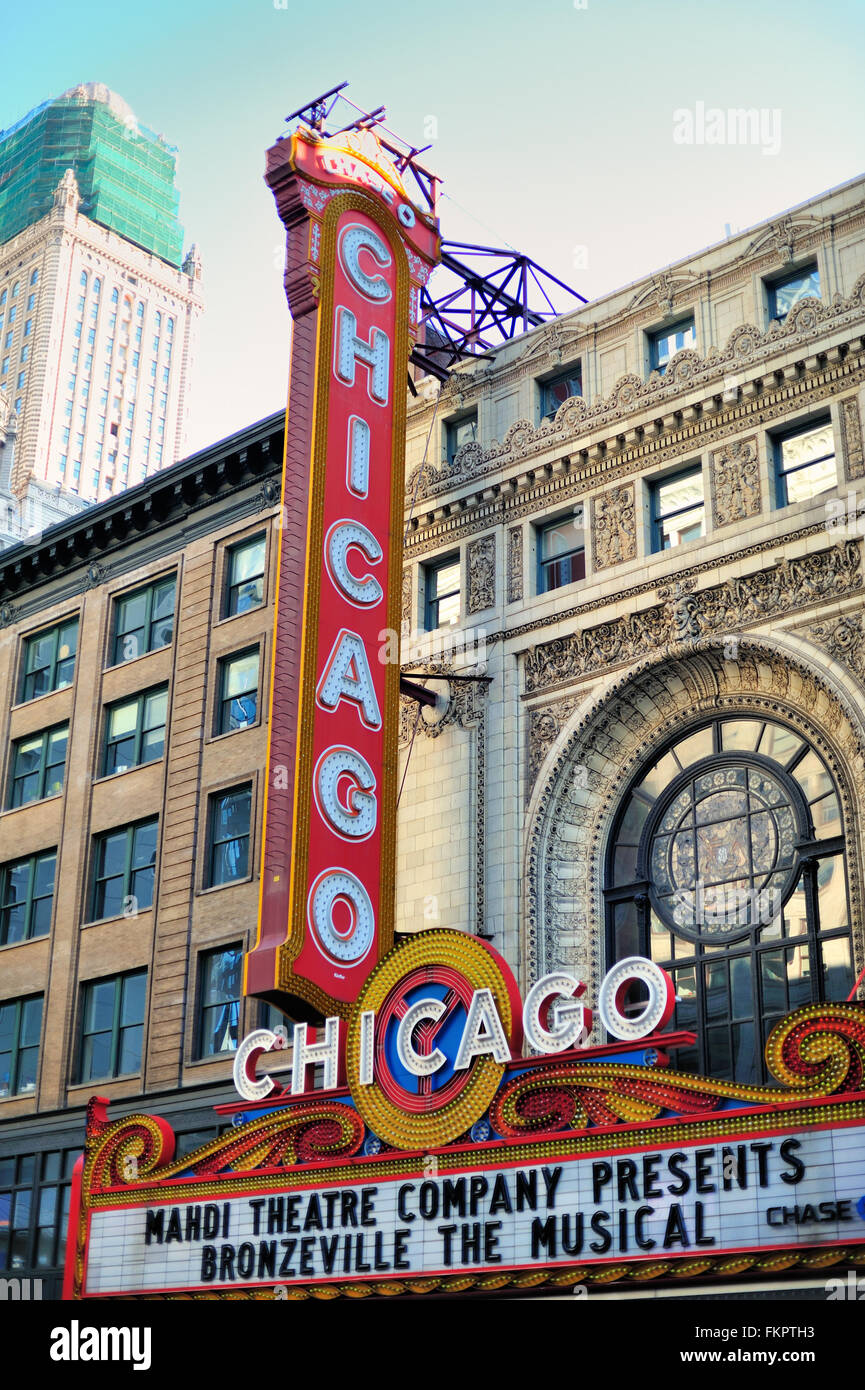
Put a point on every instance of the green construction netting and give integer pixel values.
(125, 174)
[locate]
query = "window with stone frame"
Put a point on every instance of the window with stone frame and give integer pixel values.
(727, 866)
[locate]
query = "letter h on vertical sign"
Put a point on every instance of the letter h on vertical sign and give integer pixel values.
(358, 252)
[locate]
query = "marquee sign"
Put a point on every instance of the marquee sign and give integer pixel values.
(358, 252)
(449, 1160)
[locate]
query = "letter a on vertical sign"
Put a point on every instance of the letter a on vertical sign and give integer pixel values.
(358, 253)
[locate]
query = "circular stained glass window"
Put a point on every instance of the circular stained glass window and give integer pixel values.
(720, 850)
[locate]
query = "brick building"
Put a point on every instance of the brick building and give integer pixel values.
(632, 534)
(134, 796)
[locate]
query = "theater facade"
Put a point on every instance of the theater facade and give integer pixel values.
(610, 1038)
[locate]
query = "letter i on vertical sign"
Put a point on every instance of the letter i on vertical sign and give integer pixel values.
(358, 252)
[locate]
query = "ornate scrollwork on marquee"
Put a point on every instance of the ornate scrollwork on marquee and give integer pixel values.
(819, 1050)
(143, 1146)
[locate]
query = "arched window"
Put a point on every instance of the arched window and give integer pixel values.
(727, 866)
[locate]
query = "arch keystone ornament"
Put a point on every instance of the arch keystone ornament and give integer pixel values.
(358, 253)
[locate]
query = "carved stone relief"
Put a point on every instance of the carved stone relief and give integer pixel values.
(515, 564)
(545, 723)
(614, 527)
(844, 640)
(735, 482)
(687, 616)
(851, 435)
(405, 601)
(481, 569)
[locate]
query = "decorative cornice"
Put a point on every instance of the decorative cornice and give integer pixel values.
(546, 484)
(584, 334)
(168, 496)
(746, 347)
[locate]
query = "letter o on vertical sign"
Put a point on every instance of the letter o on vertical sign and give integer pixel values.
(348, 944)
(656, 1012)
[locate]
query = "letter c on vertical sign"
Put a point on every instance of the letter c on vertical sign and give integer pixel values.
(352, 816)
(355, 238)
(363, 593)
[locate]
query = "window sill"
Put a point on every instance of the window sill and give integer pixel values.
(113, 776)
(40, 801)
(209, 1061)
(560, 588)
(117, 917)
(130, 661)
(36, 699)
(232, 617)
(27, 941)
(683, 545)
(103, 1081)
(219, 887)
(229, 733)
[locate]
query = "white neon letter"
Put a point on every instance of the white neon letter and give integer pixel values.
(246, 1083)
(567, 1022)
(355, 817)
(483, 1034)
(611, 998)
(340, 538)
(375, 354)
(366, 1048)
(350, 944)
(347, 676)
(353, 239)
(307, 1054)
(357, 457)
(413, 1061)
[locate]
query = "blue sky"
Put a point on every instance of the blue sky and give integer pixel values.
(554, 129)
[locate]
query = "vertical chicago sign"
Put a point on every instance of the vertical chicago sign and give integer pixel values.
(358, 252)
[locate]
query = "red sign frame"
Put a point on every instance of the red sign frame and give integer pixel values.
(358, 252)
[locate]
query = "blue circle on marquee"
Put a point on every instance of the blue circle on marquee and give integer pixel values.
(447, 1039)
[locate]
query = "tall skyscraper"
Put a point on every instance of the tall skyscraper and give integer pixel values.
(98, 304)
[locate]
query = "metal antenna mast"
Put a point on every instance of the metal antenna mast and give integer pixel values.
(480, 296)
